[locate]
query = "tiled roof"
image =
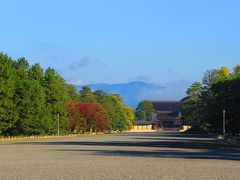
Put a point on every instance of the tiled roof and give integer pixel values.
(167, 116)
(172, 106)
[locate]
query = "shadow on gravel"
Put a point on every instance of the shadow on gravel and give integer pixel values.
(164, 134)
(217, 155)
(178, 146)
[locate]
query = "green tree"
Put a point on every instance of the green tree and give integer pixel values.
(226, 96)
(36, 72)
(192, 108)
(129, 117)
(236, 71)
(100, 95)
(203, 107)
(21, 68)
(30, 98)
(56, 98)
(73, 94)
(86, 95)
(210, 77)
(8, 112)
(144, 111)
(32, 111)
(224, 73)
(113, 109)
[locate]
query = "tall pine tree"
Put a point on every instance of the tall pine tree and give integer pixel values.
(8, 113)
(56, 99)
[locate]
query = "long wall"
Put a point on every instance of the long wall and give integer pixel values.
(142, 128)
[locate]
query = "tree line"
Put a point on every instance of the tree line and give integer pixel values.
(109, 107)
(31, 99)
(205, 101)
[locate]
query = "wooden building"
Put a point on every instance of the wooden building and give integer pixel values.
(167, 116)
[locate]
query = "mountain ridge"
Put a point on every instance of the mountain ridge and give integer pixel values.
(131, 92)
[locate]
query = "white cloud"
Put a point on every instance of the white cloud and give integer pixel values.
(85, 62)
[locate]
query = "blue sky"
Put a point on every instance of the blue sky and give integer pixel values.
(114, 41)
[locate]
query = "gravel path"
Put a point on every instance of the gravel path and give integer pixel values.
(121, 156)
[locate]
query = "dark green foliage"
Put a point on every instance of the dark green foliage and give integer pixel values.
(31, 108)
(8, 113)
(74, 96)
(100, 95)
(226, 97)
(144, 111)
(192, 110)
(36, 72)
(30, 99)
(203, 107)
(56, 99)
(87, 96)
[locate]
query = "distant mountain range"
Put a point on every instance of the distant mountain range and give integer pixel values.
(132, 92)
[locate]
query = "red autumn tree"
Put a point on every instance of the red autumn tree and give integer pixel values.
(93, 115)
(76, 121)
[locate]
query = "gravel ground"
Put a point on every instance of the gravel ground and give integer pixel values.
(121, 156)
